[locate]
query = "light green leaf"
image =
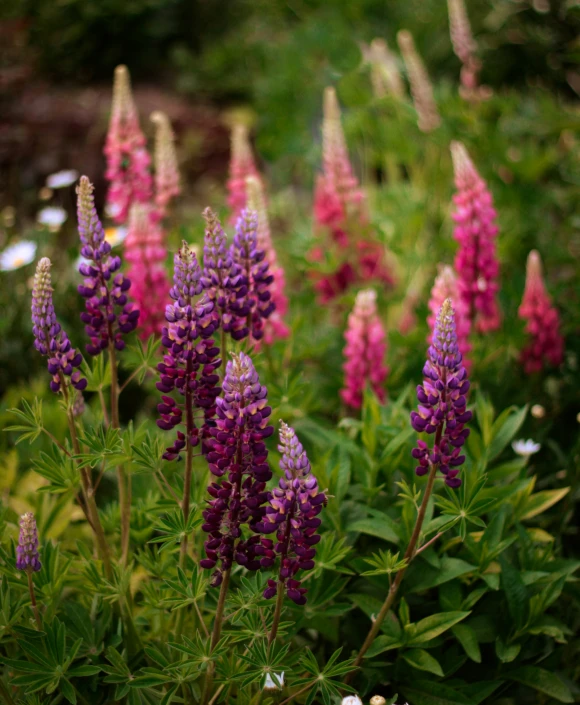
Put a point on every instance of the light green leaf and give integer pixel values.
(539, 502)
(425, 577)
(430, 627)
(505, 427)
(382, 643)
(383, 527)
(468, 639)
(544, 681)
(423, 661)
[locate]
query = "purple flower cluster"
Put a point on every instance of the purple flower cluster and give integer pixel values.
(224, 280)
(238, 458)
(442, 402)
(49, 338)
(27, 557)
(292, 513)
(109, 314)
(192, 358)
(256, 271)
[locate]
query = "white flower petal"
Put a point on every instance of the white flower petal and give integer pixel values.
(52, 216)
(61, 179)
(351, 700)
(525, 448)
(18, 255)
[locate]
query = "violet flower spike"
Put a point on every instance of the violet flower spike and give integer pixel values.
(238, 459)
(27, 557)
(251, 259)
(49, 338)
(109, 314)
(293, 514)
(442, 402)
(192, 358)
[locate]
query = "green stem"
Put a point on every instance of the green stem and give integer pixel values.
(5, 693)
(277, 613)
(33, 600)
(216, 633)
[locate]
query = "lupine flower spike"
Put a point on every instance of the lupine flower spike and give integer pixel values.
(251, 258)
(145, 251)
(465, 47)
(292, 513)
(274, 326)
(27, 557)
(542, 320)
(242, 165)
(109, 315)
(385, 75)
(446, 286)
(49, 338)
(476, 262)
(421, 88)
(192, 358)
(442, 402)
(128, 162)
(224, 280)
(167, 184)
(238, 459)
(365, 351)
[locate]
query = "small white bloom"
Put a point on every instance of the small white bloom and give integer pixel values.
(18, 255)
(115, 236)
(378, 700)
(52, 216)
(61, 179)
(274, 683)
(351, 700)
(525, 448)
(538, 411)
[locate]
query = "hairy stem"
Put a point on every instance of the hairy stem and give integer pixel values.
(33, 600)
(277, 613)
(216, 633)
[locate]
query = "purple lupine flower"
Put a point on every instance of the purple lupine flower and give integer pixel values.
(224, 279)
(238, 458)
(192, 357)
(256, 272)
(442, 402)
(109, 313)
(293, 514)
(49, 338)
(27, 557)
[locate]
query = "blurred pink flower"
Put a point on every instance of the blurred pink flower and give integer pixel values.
(167, 184)
(242, 165)
(446, 286)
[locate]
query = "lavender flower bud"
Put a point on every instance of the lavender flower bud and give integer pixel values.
(238, 458)
(442, 402)
(49, 338)
(109, 314)
(27, 557)
(293, 515)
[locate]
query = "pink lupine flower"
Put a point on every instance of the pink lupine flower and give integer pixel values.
(543, 321)
(465, 47)
(385, 75)
(128, 162)
(274, 326)
(145, 251)
(365, 351)
(446, 286)
(167, 184)
(476, 261)
(242, 165)
(421, 88)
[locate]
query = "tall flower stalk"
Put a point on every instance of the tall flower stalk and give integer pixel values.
(441, 412)
(446, 286)
(242, 166)
(428, 118)
(385, 75)
(465, 49)
(167, 183)
(27, 558)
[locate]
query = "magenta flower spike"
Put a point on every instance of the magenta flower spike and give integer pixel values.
(365, 350)
(542, 320)
(292, 513)
(167, 182)
(476, 262)
(428, 118)
(465, 48)
(49, 337)
(242, 166)
(192, 358)
(275, 327)
(442, 402)
(446, 286)
(237, 457)
(109, 315)
(128, 162)
(27, 557)
(145, 252)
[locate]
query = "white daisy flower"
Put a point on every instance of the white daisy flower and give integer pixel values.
(525, 448)
(115, 236)
(52, 216)
(351, 700)
(274, 683)
(61, 179)
(18, 255)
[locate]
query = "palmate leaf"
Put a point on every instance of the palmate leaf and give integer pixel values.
(174, 527)
(59, 469)
(262, 660)
(30, 419)
(97, 373)
(384, 563)
(326, 682)
(330, 552)
(187, 592)
(142, 358)
(147, 455)
(105, 446)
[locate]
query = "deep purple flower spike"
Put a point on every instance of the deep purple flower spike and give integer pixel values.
(109, 314)
(238, 458)
(192, 358)
(256, 272)
(442, 402)
(27, 557)
(293, 514)
(49, 338)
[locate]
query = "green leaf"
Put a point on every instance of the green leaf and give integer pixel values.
(505, 427)
(423, 661)
(425, 577)
(468, 639)
(539, 502)
(381, 526)
(81, 671)
(506, 653)
(68, 691)
(397, 442)
(544, 681)
(382, 643)
(515, 592)
(430, 627)
(424, 692)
